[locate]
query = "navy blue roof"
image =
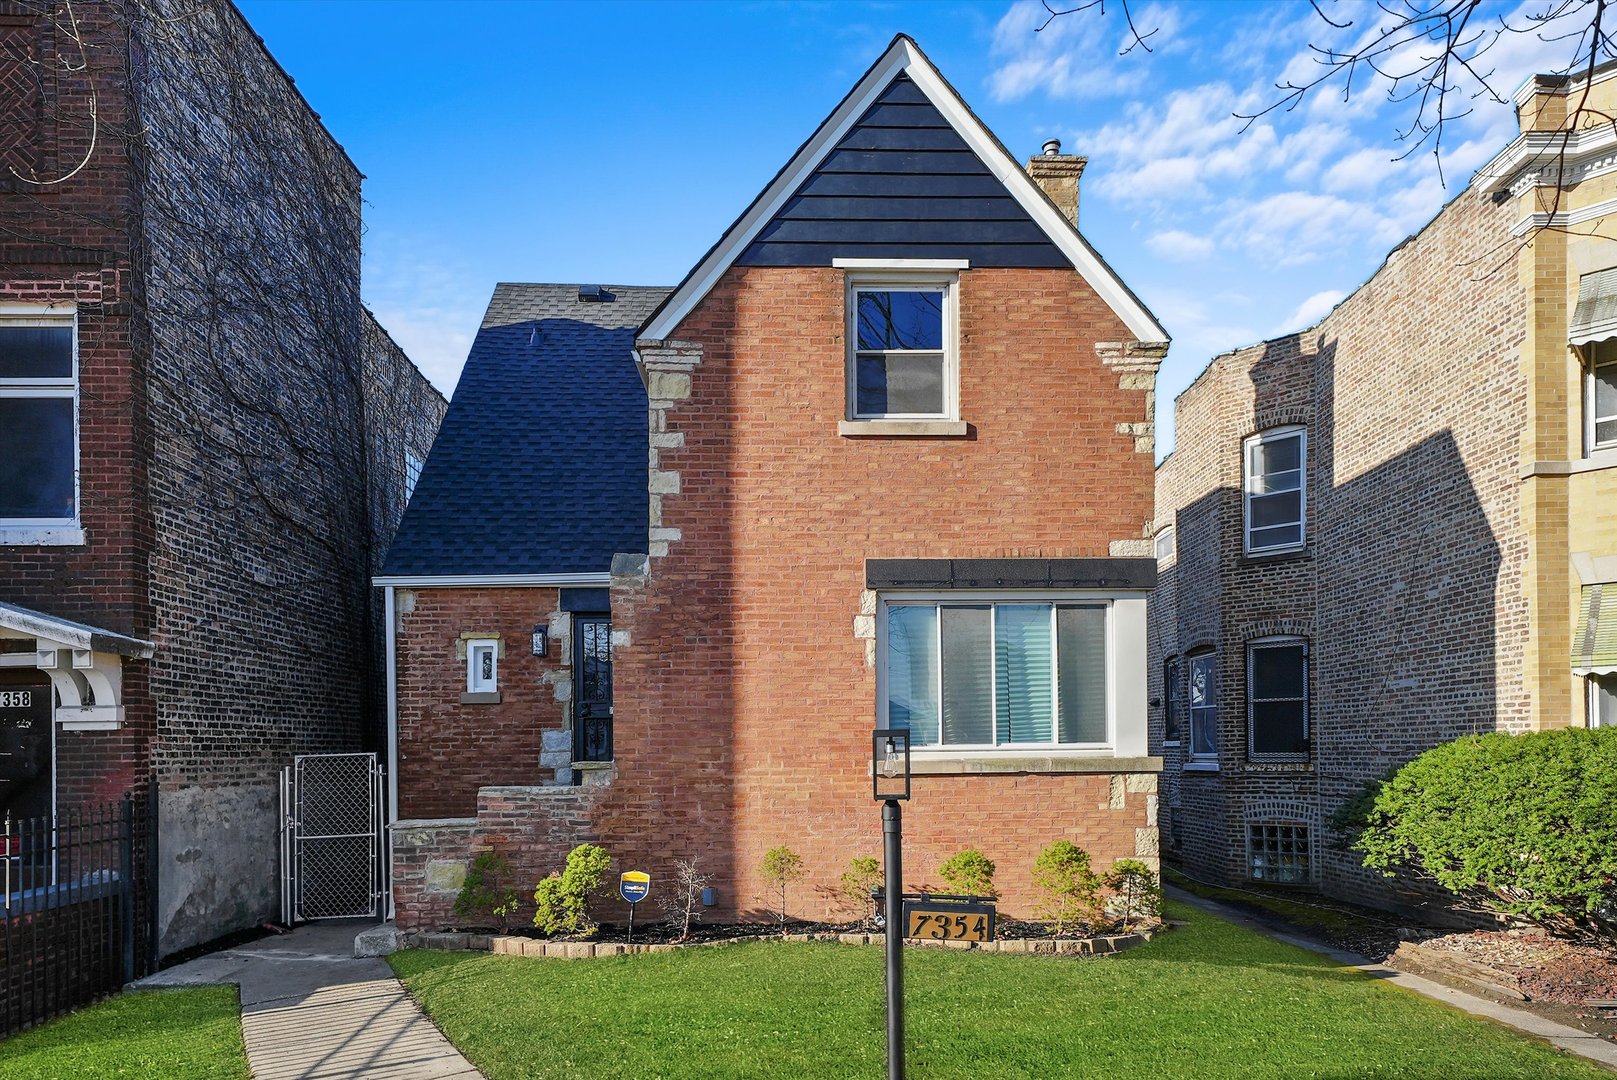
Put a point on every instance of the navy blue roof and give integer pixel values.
(540, 465)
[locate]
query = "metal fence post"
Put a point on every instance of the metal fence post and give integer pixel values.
(152, 906)
(126, 889)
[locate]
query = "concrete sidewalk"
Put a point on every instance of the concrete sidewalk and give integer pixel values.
(1574, 1040)
(309, 1009)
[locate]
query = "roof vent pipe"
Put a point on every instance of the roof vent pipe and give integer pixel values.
(1052, 147)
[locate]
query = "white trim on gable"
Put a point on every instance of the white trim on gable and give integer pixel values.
(904, 56)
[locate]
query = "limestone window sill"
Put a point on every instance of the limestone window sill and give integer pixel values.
(1200, 766)
(53, 536)
(903, 428)
(481, 699)
(592, 766)
(1595, 462)
(950, 763)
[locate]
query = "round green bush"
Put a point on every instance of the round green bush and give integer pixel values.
(1522, 824)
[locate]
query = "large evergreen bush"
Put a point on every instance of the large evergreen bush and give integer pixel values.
(1523, 825)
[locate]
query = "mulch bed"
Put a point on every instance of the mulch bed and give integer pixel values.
(664, 933)
(1542, 967)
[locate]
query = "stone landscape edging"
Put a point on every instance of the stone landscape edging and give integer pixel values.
(511, 945)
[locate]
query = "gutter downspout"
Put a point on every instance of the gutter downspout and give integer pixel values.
(389, 615)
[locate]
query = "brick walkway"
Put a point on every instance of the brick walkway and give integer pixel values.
(310, 1010)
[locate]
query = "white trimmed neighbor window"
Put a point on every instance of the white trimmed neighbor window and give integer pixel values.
(996, 674)
(1603, 700)
(39, 418)
(482, 666)
(1275, 499)
(1202, 702)
(1164, 547)
(902, 347)
(1278, 854)
(1600, 397)
(1277, 699)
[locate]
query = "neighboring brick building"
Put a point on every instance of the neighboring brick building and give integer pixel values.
(900, 449)
(205, 437)
(1362, 554)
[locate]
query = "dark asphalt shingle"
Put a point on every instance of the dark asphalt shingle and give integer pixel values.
(540, 465)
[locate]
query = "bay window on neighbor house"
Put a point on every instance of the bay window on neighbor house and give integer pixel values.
(1603, 700)
(39, 416)
(1277, 699)
(996, 675)
(1600, 396)
(1594, 652)
(1202, 701)
(1275, 501)
(412, 473)
(903, 346)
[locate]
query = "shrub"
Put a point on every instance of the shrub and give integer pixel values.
(969, 871)
(859, 884)
(563, 898)
(1071, 888)
(1517, 824)
(1137, 892)
(682, 901)
(487, 889)
(781, 867)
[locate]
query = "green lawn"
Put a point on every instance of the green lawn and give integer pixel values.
(173, 1034)
(1206, 1001)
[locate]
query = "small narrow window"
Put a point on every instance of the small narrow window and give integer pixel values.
(1165, 545)
(1275, 499)
(1173, 709)
(1203, 705)
(482, 666)
(1603, 700)
(901, 361)
(1277, 699)
(412, 473)
(1600, 396)
(1278, 854)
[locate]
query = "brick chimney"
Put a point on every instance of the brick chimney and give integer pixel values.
(1058, 174)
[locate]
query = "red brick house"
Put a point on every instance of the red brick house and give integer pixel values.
(899, 430)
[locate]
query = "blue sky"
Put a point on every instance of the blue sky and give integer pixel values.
(614, 142)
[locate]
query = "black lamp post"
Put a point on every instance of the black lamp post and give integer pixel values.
(890, 779)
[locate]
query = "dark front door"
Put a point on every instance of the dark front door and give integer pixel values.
(25, 745)
(592, 688)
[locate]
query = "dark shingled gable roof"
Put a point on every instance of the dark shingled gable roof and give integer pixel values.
(540, 465)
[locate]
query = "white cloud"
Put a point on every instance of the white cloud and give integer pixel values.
(437, 340)
(1074, 56)
(1310, 311)
(1295, 227)
(1178, 246)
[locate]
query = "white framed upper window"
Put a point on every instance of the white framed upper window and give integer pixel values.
(903, 346)
(39, 470)
(1277, 699)
(412, 473)
(1164, 546)
(482, 666)
(997, 673)
(1600, 397)
(1274, 467)
(1202, 704)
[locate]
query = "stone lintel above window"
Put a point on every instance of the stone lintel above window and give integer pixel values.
(1110, 573)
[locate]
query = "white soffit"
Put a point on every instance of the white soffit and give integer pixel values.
(905, 57)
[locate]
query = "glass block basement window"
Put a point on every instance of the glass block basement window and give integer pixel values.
(1278, 854)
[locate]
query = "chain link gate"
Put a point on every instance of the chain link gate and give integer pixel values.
(331, 851)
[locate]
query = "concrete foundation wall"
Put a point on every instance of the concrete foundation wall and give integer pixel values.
(218, 861)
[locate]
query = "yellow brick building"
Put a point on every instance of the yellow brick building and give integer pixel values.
(1560, 175)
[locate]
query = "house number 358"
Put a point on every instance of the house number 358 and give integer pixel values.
(16, 699)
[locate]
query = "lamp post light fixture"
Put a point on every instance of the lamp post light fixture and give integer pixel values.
(890, 780)
(541, 639)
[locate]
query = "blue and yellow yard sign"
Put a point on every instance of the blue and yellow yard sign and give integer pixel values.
(633, 885)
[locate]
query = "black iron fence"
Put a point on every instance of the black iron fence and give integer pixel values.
(78, 907)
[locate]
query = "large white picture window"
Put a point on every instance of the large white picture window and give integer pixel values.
(1275, 497)
(902, 346)
(987, 674)
(39, 416)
